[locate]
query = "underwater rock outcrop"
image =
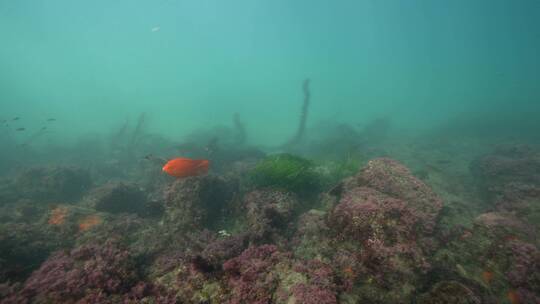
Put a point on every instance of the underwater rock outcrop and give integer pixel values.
(117, 197)
(175, 275)
(383, 227)
(514, 168)
(268, 213)
(496, 258)
(197, 202)
(449, 292)
(509, 180)
(507, 166)
(218, 251)
(23, 247)
(52, 184)
(391, 178)
(82, 275)
(263, 274)
(312, 238)
(225, 239)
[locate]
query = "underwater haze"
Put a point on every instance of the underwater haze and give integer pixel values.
(250, 151)
(188, 64)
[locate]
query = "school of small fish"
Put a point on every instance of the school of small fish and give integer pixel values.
(5, 122)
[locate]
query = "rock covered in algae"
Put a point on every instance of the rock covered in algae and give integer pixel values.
(449, 292)
(78, 275)
(389, 177)
(383, 227)
(23, 246)
(269, 212)
(497, 256)
(52, 184)
(312, 238)
(509, 177)
(509, 180)
(264, 274)
(197, 202)
(506, 165)
(117, 197)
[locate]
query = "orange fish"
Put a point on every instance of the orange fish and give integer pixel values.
(184, 167)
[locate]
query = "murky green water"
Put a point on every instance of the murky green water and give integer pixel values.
(192, 64)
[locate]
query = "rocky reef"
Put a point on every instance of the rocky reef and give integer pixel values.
(273, 232)
(49, 184)
(509, 179)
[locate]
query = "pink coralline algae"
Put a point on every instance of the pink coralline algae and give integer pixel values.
(250, 275)
(220, 250)
(196, 202)
(268, 212)
(320, 286)
(264, 275)
(392, 178)
(524, 270)
(311, 239)
(384, 222)
(310, 294)
(85, 272)
(367, 215)
(385, 229)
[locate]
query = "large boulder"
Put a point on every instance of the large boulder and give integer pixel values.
(197, 202)
(497, 258)
(86, 274)
(391, 178)
(383, 225)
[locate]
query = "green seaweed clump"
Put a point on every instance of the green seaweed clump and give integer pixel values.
(286, 171)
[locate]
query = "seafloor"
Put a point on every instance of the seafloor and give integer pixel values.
(400, 220)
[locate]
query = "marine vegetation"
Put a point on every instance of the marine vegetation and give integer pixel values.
(285, 171)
